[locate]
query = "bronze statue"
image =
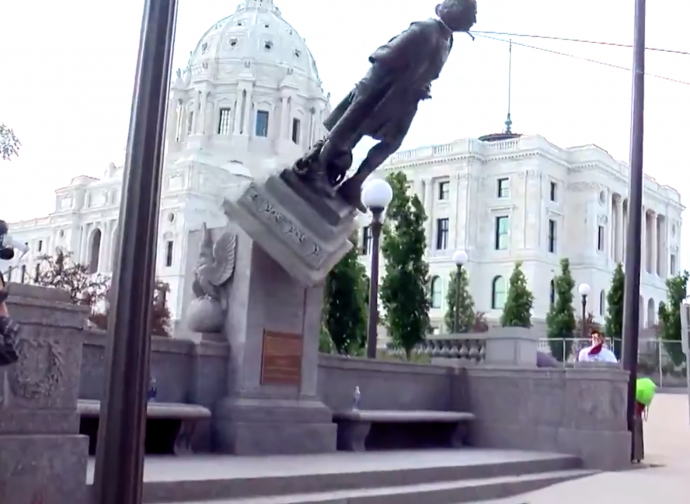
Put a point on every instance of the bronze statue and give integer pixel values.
(383, 104)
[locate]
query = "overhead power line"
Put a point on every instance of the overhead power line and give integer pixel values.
(581, 41)
(589, 60)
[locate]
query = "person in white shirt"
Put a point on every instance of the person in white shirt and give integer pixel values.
(596, 352)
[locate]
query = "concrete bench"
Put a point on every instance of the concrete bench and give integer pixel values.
(354, 426)
(175, 424)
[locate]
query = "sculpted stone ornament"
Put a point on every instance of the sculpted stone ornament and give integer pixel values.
(383, 104)
(39, 371)
(215, 268)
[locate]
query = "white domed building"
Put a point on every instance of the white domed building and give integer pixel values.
(250, 98)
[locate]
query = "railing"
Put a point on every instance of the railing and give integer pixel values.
(661, 360)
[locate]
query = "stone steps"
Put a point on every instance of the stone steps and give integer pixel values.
(464, 491)
(425, 476)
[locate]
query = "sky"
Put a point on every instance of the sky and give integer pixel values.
(67, 76)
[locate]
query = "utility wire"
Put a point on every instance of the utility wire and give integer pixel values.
(581, 41)
(677, 81)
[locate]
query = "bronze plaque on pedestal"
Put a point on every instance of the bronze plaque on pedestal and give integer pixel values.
(281, 361)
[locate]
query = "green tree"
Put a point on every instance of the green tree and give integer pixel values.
(614, 310)
(9, 143)
(466, 316)
(517, 311)
(669, 316)
(404, 289)
(560, 320)
(345, 312)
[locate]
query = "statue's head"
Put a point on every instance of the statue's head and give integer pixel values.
(458, 15)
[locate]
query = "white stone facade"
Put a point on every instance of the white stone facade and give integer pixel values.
(249, 99)
(525, 199)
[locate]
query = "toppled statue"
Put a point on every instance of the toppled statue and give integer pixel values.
(383, 104)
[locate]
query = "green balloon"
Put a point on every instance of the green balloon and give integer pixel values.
(645, 390)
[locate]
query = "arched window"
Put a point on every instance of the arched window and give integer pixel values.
(552, 291)
(95, 252)
(498, 293)
(436, 292)
(602, 303)
(651, 313)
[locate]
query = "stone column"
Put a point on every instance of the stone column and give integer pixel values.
(620, 227)
(249, 114)
(654, 244)
(43, 458)
(429, 209)
(240, 105)
(643, 239)
(105, 247)
(284, 111)
(171, 127)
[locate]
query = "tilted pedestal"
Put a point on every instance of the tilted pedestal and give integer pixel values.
(42, 456)
(287, 244)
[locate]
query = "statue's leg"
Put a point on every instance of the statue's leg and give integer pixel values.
(351, 189)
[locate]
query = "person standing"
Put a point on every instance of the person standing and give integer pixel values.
(596, 351)
(9, 330)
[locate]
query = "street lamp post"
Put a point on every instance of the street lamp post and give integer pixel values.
(633, 256)
(120, 454)
(584, 289)
(459, 258)
(376, 195)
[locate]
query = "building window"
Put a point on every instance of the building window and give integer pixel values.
(10, 270)
(552, 236)
(600, 239)
(503, 188)
(296, 131)
(224, 126)
(170, 247)
(552, 291)
(553, 191)
(190, 122)
(602, 303)
(22, 279)
(436, 292)
(501, 233)
(366, 240)
(498, 293)
(441, 234)
(261, 123)
(444, 191)
(673, 264)
(40, 245)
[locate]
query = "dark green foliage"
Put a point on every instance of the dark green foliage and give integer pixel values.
(9, 143)
(517, 311)
(560, 320)
(614, 310)
(466, 316)
(405, 285)
(669, 316)
(345, 298)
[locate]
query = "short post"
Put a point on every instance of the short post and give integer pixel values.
(584, 292)
(376, 195)
(459, 258)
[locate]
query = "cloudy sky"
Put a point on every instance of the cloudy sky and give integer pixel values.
(67, 71)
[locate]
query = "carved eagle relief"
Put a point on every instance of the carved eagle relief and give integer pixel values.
(216, 264)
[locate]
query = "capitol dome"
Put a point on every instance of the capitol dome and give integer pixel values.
(256, 31)
(250, 91)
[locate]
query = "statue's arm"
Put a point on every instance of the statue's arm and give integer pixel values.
(409, 48)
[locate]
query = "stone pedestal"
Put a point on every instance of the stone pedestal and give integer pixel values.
(288, 239)
(273, 329)
(512, 346)
(306, 234)
(42, 457)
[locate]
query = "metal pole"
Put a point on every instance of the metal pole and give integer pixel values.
(120, 452)
(584, 315)
(456, 319)
(372, 327)
(633, 257)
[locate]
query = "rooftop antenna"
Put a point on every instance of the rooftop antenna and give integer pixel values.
(509, 122)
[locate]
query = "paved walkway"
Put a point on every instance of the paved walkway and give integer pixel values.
(667, 443)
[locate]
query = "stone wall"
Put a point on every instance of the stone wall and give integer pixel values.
(567, 410)
(185, 372)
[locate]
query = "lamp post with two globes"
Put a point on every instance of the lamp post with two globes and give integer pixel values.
(376, 195)
(460, 259)
(584, 289)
